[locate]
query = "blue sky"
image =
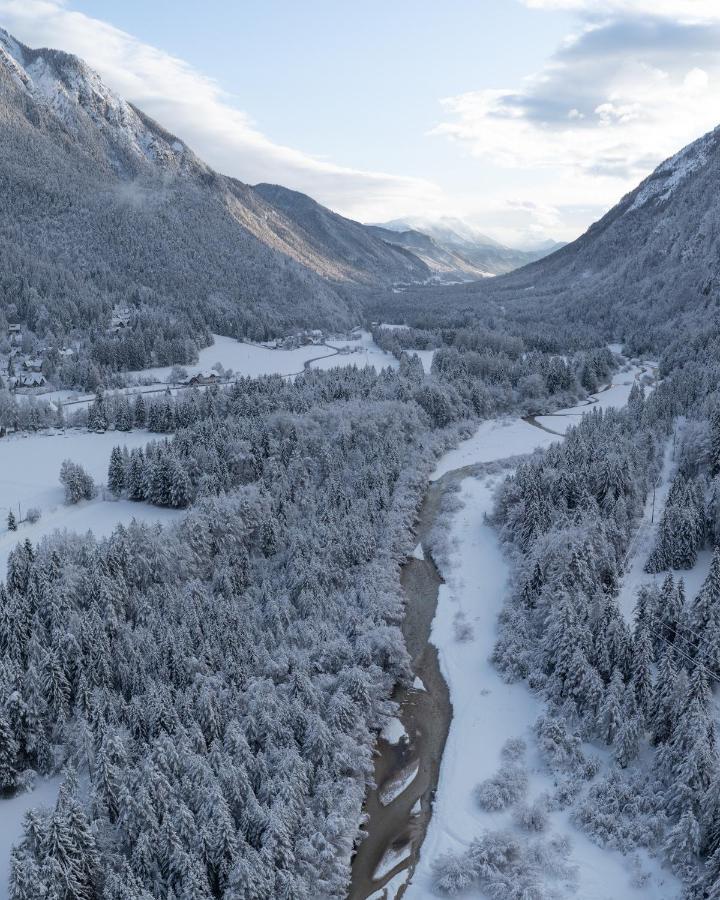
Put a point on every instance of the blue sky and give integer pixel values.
(528, 118)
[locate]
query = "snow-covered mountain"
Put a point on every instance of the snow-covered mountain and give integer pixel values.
(98, 195)
(651, 259)
(645, 266)
(475, 254)
(446, 263)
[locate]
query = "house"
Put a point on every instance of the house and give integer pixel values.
(32, 364)
(120, 319)
(30, 380)
(203, 378)
(14, 334)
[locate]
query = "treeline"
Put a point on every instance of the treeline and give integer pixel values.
(217, 684)
(494, 370)
(643, 688)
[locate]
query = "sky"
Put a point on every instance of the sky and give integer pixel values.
(526, 118)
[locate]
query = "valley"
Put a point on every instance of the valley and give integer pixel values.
(352, 561)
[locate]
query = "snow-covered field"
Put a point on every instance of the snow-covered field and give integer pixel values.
(494, 439)
(613, 398)
(487, 712)
(363, 352)
(29, 470)
(244, 359)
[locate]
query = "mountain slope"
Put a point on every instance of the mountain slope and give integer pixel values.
(446, 264)
(477, 254)
(643, 271)
(362, 252)
(103, 205)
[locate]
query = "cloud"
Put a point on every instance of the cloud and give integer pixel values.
(678, 10)
(612, 102)
(196, 108)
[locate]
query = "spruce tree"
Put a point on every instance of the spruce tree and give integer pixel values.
(116, 472)
(715, 443)
(11, 521)
(139, 412)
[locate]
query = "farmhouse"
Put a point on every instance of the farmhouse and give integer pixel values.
(203, 378)
(30, 380)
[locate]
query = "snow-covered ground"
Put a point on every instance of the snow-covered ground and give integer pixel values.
(12, 814)
(392, 887)
(501, 438)
(363, 352)
(645, 540)
(29, 472)
(391, 859)
(244, 359)
(494, 439)
(487, 712)
(399, 785)
(426, 358)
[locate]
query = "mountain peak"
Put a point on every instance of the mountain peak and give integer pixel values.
(75, 94)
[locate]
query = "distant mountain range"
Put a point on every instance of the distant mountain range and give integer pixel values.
(101, 204)
(646, 269)
(455, 250)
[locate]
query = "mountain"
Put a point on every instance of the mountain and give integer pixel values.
(445, 263)
(645, 270)
(102, 205)
(360, 255)
(476, 254)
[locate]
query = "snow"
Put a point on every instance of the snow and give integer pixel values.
(418, 684)
(12, 813)
(390, 860)
(614, 397)
(644, 540)
(394, 327)
(398, 785)
(673, 171)
(487, 711)
(426, 358)
(393, 731)
(418, 552)
(391, 891)
(29, 472)
(501, 438)
(494, 439)
(363, 352)
(244, 359)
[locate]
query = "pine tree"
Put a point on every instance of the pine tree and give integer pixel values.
(641, 670)
(139, 412)
(116, 472)
(11, 521)
(662, 718)
(8, 756)
(715, 443)
(683, 844)
(611, 717)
